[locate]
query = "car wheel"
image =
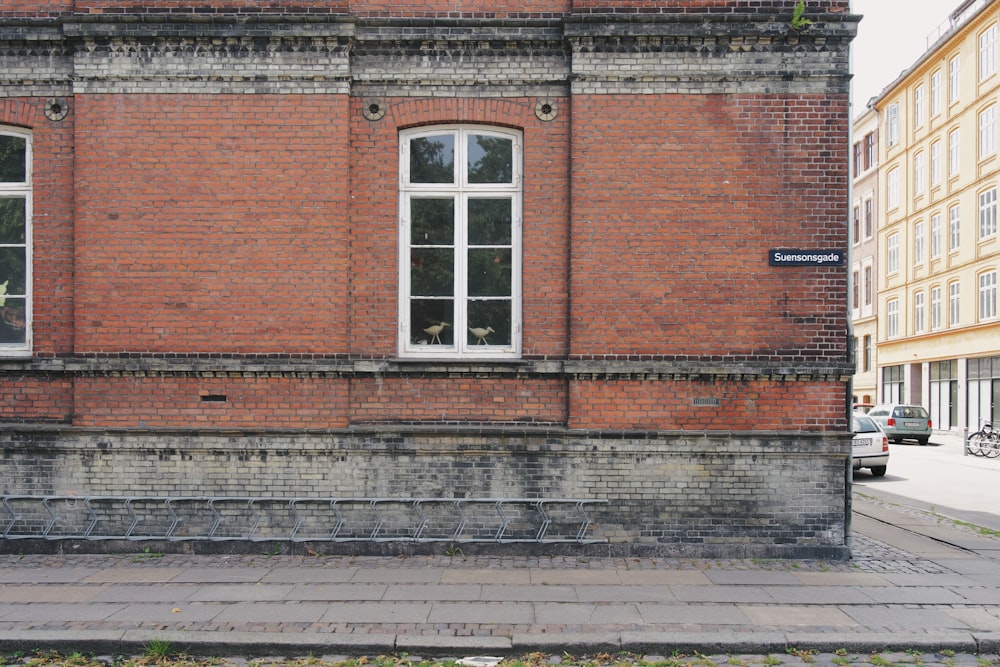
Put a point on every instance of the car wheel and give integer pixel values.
(923, 441)
(878, 471)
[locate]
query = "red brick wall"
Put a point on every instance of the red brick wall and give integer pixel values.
(212, 223)
(653, 6)
(755, 405)
(180, 402)
(36, 398)
(677, 201)
(459, 400)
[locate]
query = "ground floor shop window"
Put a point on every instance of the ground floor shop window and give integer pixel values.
(944, 393)
(892, 384)
(983, 391)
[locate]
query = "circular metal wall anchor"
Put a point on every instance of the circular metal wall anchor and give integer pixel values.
(546, 110)
(373, 109)
(56, 109)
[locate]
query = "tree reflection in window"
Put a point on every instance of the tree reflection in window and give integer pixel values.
(14, 197)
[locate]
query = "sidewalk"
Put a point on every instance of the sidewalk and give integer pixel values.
(902, 590)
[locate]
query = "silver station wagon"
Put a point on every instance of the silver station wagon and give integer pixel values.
(903, 422)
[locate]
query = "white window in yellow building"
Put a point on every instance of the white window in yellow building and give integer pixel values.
(936, 93)
(892, 124)
(954, 79)
(987, 213)
(919, 174)
(935, 163)
(954, 228)
(918, 243)
(954, 152)
(918, 106)
(987, 132)
(954, 303)
(935, 308)
(935, 235)
(987, 296)
(892, 188)
(988, 52)
(892, 254)
(918, 313)
(892, 320)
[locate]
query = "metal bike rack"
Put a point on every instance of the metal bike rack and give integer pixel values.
(264, 518)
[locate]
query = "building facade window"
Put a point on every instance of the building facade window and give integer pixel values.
(954, 79)
(892, 188)
(987, 132)
(869, 150)
(936, 93)
(935, 235)
(935, 308)
(15, 242)
(918, 243)
(954, 304)
(919, 174)
(869, 218)
(954, 228)
(857, 158)
(935, 163)
(987, 213)
(892, 318)
(892, 384)
(918, 313)
(944, 393)
(867, 354)
(892, 254)
(983, 388)
(988, 52)
(856, 228)
(892, 124)
(987, 296)
(954, 153)
(856, 290)
(460, 209)
(869, 288)
(918, 106)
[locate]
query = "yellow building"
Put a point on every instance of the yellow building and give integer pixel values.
(864, 256)
(938, 247)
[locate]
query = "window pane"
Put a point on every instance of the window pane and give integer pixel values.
(491, 159)
(433, 222)
(489, 221)
(490, 272)
(430, 321)
(12, 321)
(12, 221)
(12, 272)
(432, 159)
(486, 315)
(13, 159)
(432, 271)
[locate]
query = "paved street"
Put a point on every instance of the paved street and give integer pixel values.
(920, 580)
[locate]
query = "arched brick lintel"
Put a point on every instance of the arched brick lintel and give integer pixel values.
(19, 112)
(515, 113)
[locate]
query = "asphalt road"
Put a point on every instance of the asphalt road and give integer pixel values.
(941, 478)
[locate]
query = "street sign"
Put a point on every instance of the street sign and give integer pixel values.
(793, 257)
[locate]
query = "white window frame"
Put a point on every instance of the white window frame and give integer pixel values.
(918, 107)
(892, 188)
(935, 163)
(988, 52)
(954, 79)
(919, 174)
(954, 228)
(21, 190)
(935, 235)
(856, 291)
(954, 303)
(935, 308)
(869, 217)
(892, 318)
(987, 213)
(936, 93)
(918, 313)
(413, 344)
(987, 296)
(892, 254)
(868, 287)
(892, 124)
(987, 132)
(954, 153)
(918, 243)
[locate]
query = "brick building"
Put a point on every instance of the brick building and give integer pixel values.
(357, 249)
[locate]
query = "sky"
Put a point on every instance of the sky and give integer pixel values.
(891, 37)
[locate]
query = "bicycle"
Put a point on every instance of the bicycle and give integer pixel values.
(985, 442)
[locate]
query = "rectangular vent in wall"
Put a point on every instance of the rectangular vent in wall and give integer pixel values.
(707, 401)
(213, 398)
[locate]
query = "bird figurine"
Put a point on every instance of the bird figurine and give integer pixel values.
(434, 331)
(481, 333)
